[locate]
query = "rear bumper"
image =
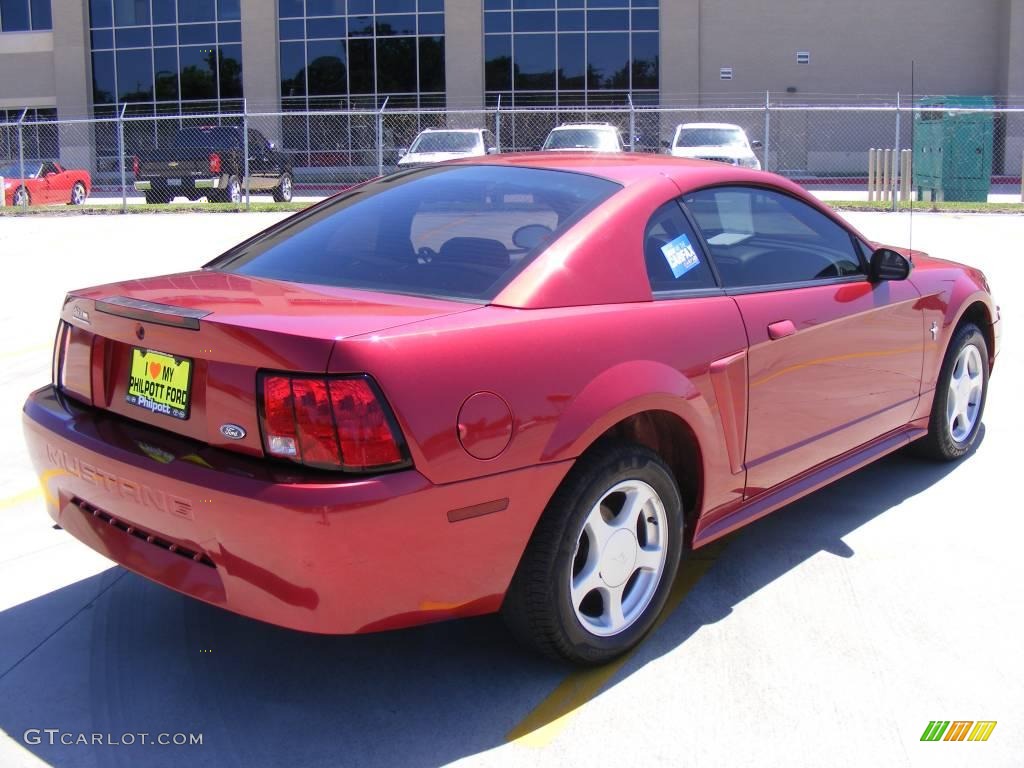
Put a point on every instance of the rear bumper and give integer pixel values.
(298, 550)
(147, 185)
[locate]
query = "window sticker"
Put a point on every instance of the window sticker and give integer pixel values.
(680, 256)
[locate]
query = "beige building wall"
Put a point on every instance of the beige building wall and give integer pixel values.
(464, 54)
(27, 64)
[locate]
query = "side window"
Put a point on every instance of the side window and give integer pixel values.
(672, 253)
(759, 237)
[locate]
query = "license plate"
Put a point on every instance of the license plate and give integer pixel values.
(160, 383)
(174, 182)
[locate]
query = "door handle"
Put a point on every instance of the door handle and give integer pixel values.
(781, 329)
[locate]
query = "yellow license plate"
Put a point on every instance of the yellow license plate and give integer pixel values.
(160, 383)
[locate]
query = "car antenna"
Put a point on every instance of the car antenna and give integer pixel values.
(913, 192)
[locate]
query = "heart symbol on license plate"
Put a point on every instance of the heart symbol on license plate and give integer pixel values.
(154, 370)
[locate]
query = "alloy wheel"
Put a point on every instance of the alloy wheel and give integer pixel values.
(963, 399)
(620, 558)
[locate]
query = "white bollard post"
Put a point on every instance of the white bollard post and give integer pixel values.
(3, 193)
(886, 165)
(872, 165)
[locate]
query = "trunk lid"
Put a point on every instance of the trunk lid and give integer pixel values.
(228, 327)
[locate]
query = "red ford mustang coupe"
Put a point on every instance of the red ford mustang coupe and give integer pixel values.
(526, 383)
(44, 183)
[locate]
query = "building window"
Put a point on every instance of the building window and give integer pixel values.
(166, 58)
(571, 52)
(38, 132)
(360, 54)
(25, 15)
(337, 56)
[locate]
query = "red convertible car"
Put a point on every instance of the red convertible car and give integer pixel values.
(44, 183)
(519, 383)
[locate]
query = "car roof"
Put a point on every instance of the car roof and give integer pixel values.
(726, 126)
(628, 168)
(453, 130)
(587, 126)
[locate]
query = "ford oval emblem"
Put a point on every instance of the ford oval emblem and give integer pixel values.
(232, 431)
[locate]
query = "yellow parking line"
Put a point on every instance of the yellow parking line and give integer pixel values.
(25, 350)
(21, 498)
(549, 718)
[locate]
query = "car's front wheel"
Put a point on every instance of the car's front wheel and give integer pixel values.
(959, 397)
(599, 566)
(21, 197)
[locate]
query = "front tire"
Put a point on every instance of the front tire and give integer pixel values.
(960, 393)
(599, 566)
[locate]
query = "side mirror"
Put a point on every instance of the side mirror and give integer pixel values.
(492, 151)
(403, 152)
(887, 264)
(755, 144)
(271, 145)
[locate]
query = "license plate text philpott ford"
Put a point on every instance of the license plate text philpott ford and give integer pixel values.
(160, 383)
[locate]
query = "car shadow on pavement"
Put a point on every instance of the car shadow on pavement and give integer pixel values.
(116, 654)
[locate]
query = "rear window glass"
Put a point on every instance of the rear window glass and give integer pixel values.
(201, 138)
(581, 138)
(456, 231)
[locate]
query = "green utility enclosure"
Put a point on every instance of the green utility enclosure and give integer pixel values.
(953, 149)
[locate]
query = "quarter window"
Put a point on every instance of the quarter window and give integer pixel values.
(760, 237)
(672, 253)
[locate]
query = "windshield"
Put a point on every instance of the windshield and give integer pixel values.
(709, 137)
(582, 138)
(205, 138)
(438, 231)
(445, 141)
(13, 170)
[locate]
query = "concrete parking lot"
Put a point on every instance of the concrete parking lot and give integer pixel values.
(828, 634)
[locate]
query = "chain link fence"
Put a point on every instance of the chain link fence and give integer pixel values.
(980, 149)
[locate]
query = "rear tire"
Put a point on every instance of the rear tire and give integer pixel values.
(21, 197)
(602, 559)
(960, 393)
(284, 191)
(78, 193)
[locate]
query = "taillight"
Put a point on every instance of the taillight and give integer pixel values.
(60, 350)
(333, 423)
(135, 165)
(214, 162)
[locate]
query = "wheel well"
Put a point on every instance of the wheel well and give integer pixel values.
(978, 314)
(672, 439)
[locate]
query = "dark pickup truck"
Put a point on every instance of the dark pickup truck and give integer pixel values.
(208, 161)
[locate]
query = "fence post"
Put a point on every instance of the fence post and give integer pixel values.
(21, 158)
(245, 149)
(766, 144)
(380, 137)
(120, 153)
(632, 123)
(895, 157)
(497, 123)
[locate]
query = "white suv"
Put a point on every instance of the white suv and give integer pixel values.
(584, 137)
(437, 144)
(723, 142)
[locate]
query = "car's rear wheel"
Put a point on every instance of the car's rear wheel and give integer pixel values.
(960, 394)
(233, 191)
(283, 191)
(598, 568)
(157, 197)
(21, 197)
(78, 193)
